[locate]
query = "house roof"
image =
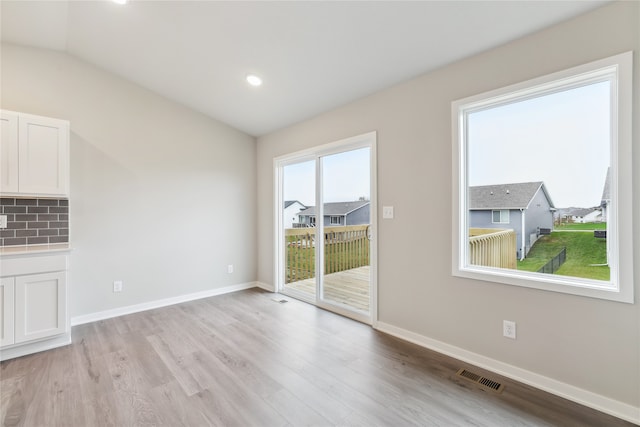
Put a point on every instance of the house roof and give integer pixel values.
(336, 208)
(505, 196)
(581, 212)
(288, 203)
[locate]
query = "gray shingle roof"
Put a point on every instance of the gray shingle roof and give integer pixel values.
(505, 196)
(288, 203)
(336, 208)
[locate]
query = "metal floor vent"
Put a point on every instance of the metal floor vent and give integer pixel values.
(479, 379)
(280, 300)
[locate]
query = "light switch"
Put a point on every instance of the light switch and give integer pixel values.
(3, 221)
(387, 212)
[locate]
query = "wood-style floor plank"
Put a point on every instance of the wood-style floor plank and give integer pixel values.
(242, 359)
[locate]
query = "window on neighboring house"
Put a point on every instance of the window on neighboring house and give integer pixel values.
(568, 133)
(334, 220)
(312, 220)
(500, 216)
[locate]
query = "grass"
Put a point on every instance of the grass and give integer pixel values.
(583, 250)
(585, 226)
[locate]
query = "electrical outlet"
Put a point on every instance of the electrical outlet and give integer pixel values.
(3, 221)
(230, 268)
(117, 286)
(509, 329)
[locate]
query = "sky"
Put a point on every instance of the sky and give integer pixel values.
(345, 178)
(561, 139)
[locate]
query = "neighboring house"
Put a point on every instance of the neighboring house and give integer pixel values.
(604, 205)
(339, 213)
(290, 212)
(606, 196)
(524, 207)
(582, 215)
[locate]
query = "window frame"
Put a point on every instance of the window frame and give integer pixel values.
(501, 211)
(618, 70)
(336, 218)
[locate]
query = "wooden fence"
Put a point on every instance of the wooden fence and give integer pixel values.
(492, 247)
(345, 247)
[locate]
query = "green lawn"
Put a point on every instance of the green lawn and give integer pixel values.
(585, 226)
(582, 250)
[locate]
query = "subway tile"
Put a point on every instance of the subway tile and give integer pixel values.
(37, 240)
(15, 209)
(38, 224)
(34, 221)
(15, 241)
(58, 239)
(38, 209)
(7, 233)
(45, 217)
(26, 217)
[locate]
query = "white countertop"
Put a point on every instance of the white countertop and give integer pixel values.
(34, 249)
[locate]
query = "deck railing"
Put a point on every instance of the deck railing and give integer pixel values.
(492, 247)
(345, 247)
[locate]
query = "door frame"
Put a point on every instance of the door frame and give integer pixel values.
(366, 140)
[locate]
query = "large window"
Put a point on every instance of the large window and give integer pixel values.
(530, 157)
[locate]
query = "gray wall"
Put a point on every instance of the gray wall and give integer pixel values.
(591, 344)
(359, 216)
(537, 216)
(162, 197)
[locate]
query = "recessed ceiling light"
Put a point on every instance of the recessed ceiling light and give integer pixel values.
(120, 1)
(254, 80)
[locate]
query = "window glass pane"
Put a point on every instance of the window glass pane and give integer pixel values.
(543, 160)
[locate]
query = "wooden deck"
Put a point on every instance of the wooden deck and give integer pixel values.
(349, 287)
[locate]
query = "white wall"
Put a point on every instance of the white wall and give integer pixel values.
(162, 197)
(586, 344)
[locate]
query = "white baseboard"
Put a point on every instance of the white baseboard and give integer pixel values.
(35, 347)
(130, 309)
(601, 403)
(265, 286)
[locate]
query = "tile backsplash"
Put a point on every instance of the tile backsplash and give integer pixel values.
(34, 221)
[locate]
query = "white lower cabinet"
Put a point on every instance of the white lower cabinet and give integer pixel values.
(40, 309)
(33, 300)
(7, 286)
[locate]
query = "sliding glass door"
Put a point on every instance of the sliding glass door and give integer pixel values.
(325, 224)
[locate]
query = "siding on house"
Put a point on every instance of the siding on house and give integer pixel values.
(530, 198)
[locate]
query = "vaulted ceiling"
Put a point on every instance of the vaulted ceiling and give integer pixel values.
(312, 56)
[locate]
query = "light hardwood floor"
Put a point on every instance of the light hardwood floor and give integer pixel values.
(243, 359)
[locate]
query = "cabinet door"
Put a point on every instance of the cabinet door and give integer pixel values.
(43, 155)
(6, 311)
(8, 152)
(41, 306)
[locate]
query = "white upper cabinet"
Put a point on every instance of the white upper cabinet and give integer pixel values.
(35, 155)
(9, 152)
